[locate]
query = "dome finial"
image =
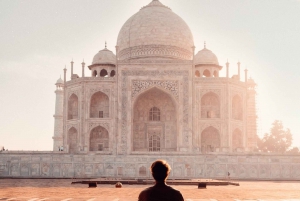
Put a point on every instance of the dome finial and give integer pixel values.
(204, 44)
(105, 45)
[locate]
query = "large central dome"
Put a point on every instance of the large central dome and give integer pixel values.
(155, 31)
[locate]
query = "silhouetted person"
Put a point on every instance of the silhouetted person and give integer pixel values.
(160, 170)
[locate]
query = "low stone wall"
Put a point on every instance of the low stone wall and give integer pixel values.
(215, 166)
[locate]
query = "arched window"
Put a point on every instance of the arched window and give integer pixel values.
(206, 73)
(72, 140)
(103, 73)
(216, 73)
(197, 74)
(94, 73)
(154, 114)
(142, 171)
(210, 139)
(99, 139)
(154, 143)
(237, 108)
(112, 73)
(237, 139)
(210, 106)
(99, 107)
(73, 107)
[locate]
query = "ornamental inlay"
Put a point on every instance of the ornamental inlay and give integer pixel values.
(141, 85)
(102, 124)
(95, 90)
(72, 125)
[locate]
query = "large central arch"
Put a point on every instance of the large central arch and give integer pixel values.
(154, 120)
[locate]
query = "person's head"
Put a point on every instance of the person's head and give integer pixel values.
(160, 170)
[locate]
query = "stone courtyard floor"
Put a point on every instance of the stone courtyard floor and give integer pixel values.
(62, 190)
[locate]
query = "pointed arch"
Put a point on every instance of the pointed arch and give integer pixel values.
(103, 73)
(237, 139)
(94, 73)
(206, 73)
(210, 105)
(112, 73)
(73, 107)
(154, 113)
(99, 139)
(210, 139)
(99, 105)
(197, 74)
(237, 108)
(216, 73)
(72, 140)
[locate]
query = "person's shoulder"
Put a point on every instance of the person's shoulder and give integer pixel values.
(146, 190)
(171, 188)
(176, 193)
(144, 194)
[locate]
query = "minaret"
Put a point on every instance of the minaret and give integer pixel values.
(227, 69)
(239, 70)
(83, 65)
(251, 114)
(72, 66)
(58, 116)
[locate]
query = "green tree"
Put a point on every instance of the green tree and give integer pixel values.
(279, 140)
(294, 150)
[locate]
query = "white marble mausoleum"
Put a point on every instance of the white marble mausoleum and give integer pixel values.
(156, 98)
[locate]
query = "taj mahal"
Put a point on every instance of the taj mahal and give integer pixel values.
(156, 98)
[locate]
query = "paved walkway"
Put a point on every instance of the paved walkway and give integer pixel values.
(101, 199)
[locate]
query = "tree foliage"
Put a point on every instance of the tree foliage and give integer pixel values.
(294, 150)
(279, 140)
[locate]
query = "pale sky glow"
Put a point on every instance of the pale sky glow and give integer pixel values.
(38, 38)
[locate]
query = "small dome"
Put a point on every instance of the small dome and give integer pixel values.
(59, 81)
(155, 31)
(104, 56)
(206, 56)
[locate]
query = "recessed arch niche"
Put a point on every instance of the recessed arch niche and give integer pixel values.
(210, 139)
(99, 107)
(72, 140)
(73, 107)
(154, 118)
(210, 105)
(237, 108)
(99, 139)
(237, 139)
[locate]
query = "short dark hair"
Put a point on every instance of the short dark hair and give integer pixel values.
(160, 170)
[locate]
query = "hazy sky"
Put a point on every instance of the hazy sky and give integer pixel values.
(38, 38)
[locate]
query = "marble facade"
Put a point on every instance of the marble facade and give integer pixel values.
(155, 98)
(215, 166)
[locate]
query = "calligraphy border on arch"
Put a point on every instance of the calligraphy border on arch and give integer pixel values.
(105, 125)
(139, 86)
(153, 73)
